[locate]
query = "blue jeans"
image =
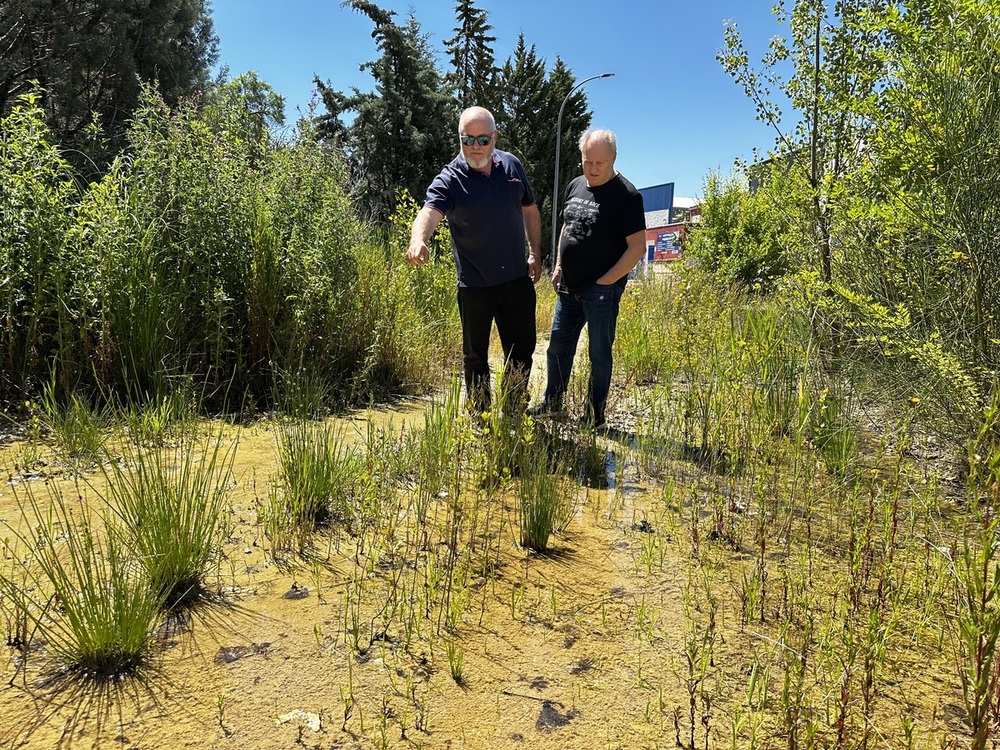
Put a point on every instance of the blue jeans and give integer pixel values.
(597, 307)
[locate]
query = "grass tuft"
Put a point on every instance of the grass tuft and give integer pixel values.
(80, 594)
(172, 507)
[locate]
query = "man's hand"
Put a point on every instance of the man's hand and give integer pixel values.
(417, 253)
(424, 224)
(556, 277)
(534, 268)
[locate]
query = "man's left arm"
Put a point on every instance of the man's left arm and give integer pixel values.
(632, 255)
(533, 232)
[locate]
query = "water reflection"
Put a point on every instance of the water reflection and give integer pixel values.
(583, 455)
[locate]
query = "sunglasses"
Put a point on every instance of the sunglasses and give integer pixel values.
(482, 140)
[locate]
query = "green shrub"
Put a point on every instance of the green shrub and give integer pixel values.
(210, 258)
(740, 236)
(40, 276)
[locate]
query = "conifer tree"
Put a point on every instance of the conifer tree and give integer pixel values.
(90, 58)
(405, 129)
(473, 63)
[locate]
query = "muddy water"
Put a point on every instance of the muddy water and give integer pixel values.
(553, 653)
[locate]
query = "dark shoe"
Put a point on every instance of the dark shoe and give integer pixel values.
(593, 421)
(586, 423)
(545, 408)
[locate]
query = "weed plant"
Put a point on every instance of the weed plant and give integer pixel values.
(315, 486)
(78, 430)
(543, 507)
(205, 257)
(172, 512)
(157, 421)
(77, 593)
(782, 482)
(793, 515)
(436, 448)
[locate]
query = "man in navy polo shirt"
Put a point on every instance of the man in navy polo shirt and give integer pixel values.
(491, 211)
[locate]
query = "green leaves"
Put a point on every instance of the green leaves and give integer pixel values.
(740, 238)
(90, 61)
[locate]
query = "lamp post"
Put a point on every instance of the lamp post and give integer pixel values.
(555, 180)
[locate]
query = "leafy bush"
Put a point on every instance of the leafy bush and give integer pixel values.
(39, 273)
(739, 237)
(205, 257)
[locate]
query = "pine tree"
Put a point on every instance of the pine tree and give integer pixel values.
(474, 70)
(404, 131)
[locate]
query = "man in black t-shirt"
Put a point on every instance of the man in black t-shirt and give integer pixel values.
(603, 237)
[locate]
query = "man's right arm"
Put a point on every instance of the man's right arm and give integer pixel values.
(420, 234)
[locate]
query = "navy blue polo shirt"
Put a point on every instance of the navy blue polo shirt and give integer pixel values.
(485, 218)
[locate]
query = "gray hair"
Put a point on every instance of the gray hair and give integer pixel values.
(476, 113)
(599, 134)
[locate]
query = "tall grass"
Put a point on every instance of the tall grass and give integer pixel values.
(77, 592)
(797, 503)
(203, 258)
(316, 484)
(544, 506)
(825, 510)
(77, 428)
(172, 512)
(818, 582)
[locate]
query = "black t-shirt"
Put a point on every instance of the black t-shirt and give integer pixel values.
(596, 223)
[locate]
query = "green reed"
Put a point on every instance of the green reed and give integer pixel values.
(315, 485)
(172, 511)
(436, 448)
(82, 596)
(543, 505)
(78, 429)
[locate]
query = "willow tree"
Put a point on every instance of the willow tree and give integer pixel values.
(830, 61)
(895, 105)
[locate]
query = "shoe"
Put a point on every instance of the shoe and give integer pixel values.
(544, 408)
(592, 421)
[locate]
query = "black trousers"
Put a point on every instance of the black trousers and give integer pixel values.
(512, 307)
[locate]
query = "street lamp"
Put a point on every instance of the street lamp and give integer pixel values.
(555, 181)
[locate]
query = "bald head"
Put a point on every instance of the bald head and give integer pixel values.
(479, 116)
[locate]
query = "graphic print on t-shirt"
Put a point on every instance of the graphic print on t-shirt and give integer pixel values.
(580, 216)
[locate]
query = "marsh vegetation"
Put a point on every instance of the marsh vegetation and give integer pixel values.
(245, 505)
(751, 557)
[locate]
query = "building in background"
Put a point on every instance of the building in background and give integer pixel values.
(667, 217)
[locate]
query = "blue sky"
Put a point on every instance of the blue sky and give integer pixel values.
(676, 112)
